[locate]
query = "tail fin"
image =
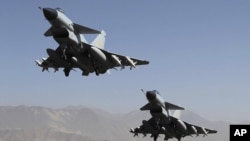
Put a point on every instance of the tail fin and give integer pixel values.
(177, 114)
(99, 41)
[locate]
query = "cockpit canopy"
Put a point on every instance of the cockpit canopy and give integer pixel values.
(59, 9)
(156, 92)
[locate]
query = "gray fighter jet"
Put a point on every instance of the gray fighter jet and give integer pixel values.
(162, 122)
(75, 52)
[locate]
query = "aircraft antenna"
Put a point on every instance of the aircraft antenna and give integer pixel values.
(143, 91)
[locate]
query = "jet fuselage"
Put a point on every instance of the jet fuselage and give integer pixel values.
(157, 106)
(76, 51)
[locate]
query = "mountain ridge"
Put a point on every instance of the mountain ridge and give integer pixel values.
(35, 123)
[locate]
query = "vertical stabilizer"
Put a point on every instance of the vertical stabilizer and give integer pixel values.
(83, 39)
(170, 106)
(177, 114)
(99, 41)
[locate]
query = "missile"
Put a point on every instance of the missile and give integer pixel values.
(131, 62)
(204, 131)
(135, 131)
(44, 59)
(194, 130)
(56, 57)
(163, 129)
(44, 64)
(38, 63)
(132, 130)
(116, 59)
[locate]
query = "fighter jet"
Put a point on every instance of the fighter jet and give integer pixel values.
(75, 52)
(162, 122)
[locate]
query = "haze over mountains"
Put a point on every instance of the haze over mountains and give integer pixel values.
(23, 123)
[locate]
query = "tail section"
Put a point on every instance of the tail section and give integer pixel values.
(177, 114)
(99, 41)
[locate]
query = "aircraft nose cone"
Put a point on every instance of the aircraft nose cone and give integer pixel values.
(49, 13)
(151, 95)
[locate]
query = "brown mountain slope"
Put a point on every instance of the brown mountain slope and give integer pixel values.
(22, 123)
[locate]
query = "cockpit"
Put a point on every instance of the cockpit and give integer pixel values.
(156, 92)
(59, 9)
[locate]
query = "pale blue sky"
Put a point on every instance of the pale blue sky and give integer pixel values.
(198, 53)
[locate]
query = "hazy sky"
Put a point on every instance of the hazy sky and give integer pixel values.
(199, 53)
